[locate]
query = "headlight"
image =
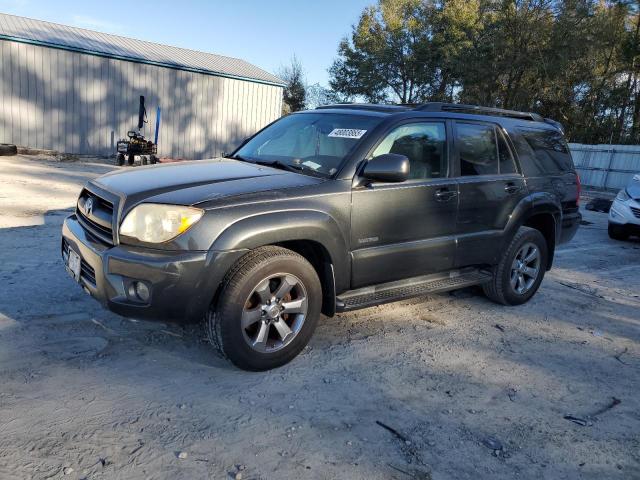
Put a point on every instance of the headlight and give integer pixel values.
(622, 196)
(157, 223)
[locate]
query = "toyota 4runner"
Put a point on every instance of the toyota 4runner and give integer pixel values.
(326, 211)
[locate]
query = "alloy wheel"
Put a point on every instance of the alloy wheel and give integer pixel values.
(274, 312)
(525, 268)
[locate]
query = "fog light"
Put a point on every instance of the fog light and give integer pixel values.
(139, 291)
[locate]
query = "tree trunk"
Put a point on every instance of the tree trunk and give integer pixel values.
(630, 87)
(635, 126)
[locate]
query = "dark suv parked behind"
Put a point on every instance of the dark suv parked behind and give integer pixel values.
(329, 210)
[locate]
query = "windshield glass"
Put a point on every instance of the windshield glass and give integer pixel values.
(313, 143)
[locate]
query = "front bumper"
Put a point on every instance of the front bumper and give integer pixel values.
(621, 213)
(182, 284)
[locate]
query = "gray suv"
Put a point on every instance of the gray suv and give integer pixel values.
(327, 211)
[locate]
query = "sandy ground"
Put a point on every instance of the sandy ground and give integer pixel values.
(471, 389)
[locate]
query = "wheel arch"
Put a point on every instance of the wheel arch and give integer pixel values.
(545, 223)
(542, 212)
(320, 258)
(314, 235)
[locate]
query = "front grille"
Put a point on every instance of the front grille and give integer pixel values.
(98, 219)
(635, 211)
(87, 272)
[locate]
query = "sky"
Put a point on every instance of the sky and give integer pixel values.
(266, 33)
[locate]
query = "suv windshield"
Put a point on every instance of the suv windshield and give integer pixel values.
(313, 143)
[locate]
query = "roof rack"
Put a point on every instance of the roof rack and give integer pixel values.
(365, 106)
(478, 110)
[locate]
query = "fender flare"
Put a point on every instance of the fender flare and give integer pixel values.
(534, 204)
(289, 225)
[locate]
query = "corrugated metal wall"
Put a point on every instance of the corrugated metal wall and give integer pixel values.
(76, 103)
(606, 166)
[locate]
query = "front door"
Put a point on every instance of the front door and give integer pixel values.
(401, 230)
(490, 187)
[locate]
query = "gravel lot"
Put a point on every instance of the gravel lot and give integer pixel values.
(467, 389)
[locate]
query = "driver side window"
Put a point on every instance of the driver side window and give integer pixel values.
(423, 143)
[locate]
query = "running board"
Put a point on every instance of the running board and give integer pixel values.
(412, 287)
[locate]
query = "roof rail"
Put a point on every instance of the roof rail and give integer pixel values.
(364, 106)
(478, 110)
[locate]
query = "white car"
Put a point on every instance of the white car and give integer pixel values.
(624, 216)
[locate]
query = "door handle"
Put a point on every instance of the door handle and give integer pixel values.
(510, 188)
(444, 195)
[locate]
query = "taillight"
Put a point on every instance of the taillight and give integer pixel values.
(579, 188)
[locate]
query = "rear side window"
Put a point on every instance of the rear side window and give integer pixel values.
(483, 150)
(477, 149)
(550, 151)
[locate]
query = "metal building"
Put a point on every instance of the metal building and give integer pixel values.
(77, 91)
(609, 167)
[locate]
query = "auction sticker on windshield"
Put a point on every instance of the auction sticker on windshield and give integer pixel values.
(347, 133)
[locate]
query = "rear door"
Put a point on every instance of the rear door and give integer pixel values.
(490, 186)
(402, 230)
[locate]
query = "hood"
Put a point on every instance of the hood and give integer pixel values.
(633, 189)
(192, 182)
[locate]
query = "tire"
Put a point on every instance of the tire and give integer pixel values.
(255, 277)
(617, 232)
(501, 288)
(144, 159)
(120, 159)
(153, 159)
(131, 159)
(7, 150)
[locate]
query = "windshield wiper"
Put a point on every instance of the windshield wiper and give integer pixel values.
(281, 165)
(241, 158)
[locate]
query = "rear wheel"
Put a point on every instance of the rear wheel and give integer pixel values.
(267, 310)
(153, 159)
(120, 159)
(617, 232)
(518, 275)
(144, 160)
(7, 149)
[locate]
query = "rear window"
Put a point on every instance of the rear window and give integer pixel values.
(549, 151)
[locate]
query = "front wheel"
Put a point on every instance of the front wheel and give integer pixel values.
(521, 269)
(267, 310)
(617, 232)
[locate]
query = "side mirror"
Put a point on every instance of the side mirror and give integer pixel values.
(389, 167)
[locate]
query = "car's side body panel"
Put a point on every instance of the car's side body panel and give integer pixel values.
(318, 213)
(402, 230)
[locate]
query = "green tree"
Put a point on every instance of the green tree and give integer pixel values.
(295, 90)
(387, 55)
(577, 61)
(317, 95)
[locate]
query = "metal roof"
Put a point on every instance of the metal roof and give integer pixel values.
(38, 32)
